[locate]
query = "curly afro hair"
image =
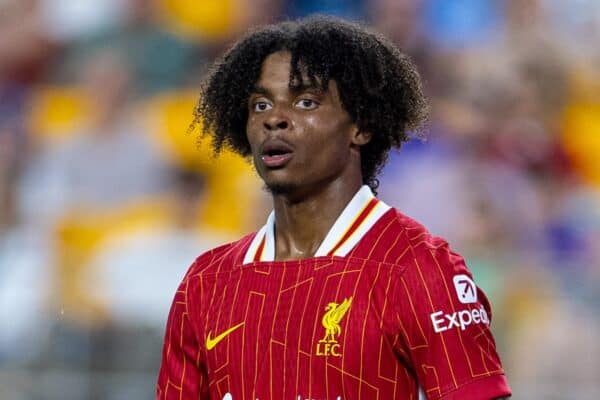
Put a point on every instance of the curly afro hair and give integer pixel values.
(379, 86)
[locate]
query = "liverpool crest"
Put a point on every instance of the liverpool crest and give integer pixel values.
(334, 312)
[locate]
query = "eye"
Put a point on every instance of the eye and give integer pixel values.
(307, 104)
(261, 106)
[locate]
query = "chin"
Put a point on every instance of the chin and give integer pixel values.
(277, 188)
(279, 182)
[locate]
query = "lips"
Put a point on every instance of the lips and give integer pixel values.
(275, 154)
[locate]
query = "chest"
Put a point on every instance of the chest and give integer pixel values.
(303, 326)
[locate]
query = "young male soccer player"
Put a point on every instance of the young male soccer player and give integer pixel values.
(338, 296)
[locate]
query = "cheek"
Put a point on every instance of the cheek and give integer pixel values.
(330, 132)
(323, 131)
(250, 124)
(252, 132)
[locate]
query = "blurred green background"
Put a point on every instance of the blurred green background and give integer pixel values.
(105, 200)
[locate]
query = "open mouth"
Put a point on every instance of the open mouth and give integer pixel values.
(276, 154)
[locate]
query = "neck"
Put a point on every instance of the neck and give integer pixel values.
(303, 221)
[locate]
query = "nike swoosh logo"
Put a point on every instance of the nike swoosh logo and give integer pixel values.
(212, 342)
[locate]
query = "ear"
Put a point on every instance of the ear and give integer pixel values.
(360, 138)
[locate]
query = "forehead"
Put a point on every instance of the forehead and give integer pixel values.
(276, 72)
(275, 69)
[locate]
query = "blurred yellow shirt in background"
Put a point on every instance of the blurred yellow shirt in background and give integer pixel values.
(205, 19)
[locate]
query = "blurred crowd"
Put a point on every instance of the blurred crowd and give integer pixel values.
(106, 197)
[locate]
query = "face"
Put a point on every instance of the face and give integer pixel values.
(300, 138)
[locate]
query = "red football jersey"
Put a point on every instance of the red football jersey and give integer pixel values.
(382, 311)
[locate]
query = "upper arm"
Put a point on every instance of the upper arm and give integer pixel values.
(181, 373)
(445, 323)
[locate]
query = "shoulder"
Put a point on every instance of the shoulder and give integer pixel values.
(399, 239)
(430, 267)
(221, 258)
(423, 244)
(416, 234)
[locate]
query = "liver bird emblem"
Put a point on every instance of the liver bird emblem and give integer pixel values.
(331, 319)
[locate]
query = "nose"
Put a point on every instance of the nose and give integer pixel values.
(276, 121)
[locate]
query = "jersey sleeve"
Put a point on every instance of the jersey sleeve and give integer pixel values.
(445, 332)
(181, 374)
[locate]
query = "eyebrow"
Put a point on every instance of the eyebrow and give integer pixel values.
(296, 89)
(257, 89)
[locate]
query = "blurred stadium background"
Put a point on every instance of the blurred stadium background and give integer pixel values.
(105, 200)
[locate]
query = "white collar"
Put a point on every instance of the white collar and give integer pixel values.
(361, 213)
